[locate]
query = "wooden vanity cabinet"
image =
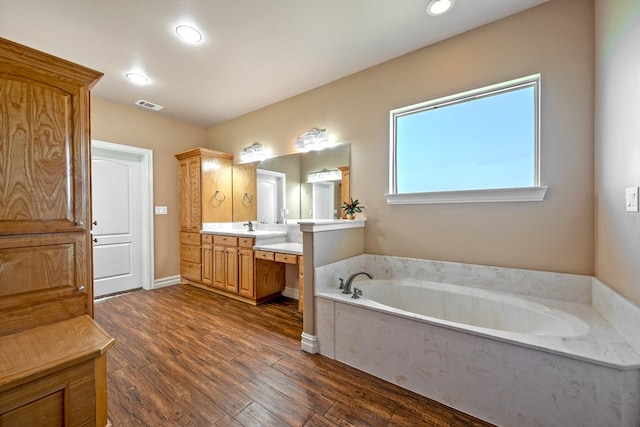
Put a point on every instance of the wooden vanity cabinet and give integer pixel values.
(205, 194)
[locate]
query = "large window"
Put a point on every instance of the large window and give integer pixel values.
(480, 145)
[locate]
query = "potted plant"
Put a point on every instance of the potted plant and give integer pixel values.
(352, 207)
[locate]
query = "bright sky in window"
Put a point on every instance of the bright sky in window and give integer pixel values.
(481, 143)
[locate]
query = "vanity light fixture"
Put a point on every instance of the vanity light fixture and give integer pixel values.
(313, 140)
(324, 175)
(188, 34)
(137, 78)
(254, 153)
(439, 7)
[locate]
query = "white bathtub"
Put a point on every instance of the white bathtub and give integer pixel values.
(505, 358)
(470, 308)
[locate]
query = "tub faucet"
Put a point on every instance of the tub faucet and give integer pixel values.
(347, 285)
(249, 224)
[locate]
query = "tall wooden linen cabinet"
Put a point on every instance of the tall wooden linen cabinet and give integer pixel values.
(52, 353)
(205, 188)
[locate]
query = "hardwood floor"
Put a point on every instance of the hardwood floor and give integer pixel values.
(187, 357)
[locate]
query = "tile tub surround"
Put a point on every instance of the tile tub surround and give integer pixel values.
(483, 376)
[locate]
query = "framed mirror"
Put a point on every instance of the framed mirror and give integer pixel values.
(308, 185)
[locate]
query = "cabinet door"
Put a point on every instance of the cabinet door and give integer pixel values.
(189, 190)
(231, 270)
(184, 189)
(217, 197)
(219, 267)
(245, 272)
(245, 206)
(43, 279)
(207, 265)
(43, 172)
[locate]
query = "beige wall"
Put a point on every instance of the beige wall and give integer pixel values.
(555, 39)
(617, 144)
(130, 125)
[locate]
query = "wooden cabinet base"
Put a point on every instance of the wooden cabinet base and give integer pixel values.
(55, 375)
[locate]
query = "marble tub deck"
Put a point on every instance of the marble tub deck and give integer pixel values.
(504, 378)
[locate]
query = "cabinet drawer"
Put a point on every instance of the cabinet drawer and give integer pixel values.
(190, 253)
(286, 258)
(225, 240)
(245, 242)
(190, 239)
(191, 271)
(264, 255)
(207, 239)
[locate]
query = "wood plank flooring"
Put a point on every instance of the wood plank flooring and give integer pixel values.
(187, 357)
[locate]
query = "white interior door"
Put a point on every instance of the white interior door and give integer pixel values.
(323, 200)
(116, 210)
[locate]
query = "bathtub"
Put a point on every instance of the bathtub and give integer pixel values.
(471, 309)
(505, 358)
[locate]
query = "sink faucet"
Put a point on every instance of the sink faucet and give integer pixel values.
(249, 224)
(347, 285)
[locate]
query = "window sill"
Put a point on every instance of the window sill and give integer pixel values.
(525, 194)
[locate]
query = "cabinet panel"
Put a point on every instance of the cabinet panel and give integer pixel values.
(190, 254)
(217, 198)
(231, 270)
(207, 265)
(195, 211)
(245, 272)
(38, 188)
(225, 240)
(245, 206)
(190, 239)
(286, 258)
(191, 271)
(31, 263)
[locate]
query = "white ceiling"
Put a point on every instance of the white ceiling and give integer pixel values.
(254, 52)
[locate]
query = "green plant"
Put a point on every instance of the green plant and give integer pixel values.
(352, 207)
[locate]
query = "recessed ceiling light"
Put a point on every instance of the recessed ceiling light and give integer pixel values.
(438, 7)
(137, 78)
(188, 34)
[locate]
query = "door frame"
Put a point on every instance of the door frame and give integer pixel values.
(146, 161)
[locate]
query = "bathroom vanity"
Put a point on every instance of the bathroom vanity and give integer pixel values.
(247, 265)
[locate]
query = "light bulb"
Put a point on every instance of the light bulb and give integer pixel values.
(438, 7)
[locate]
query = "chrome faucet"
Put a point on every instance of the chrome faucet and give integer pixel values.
(249, 224)
(347, 285)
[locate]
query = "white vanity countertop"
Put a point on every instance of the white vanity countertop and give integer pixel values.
(288, 248)
(245, 233)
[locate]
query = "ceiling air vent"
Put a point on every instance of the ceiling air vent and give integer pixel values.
(149, 105)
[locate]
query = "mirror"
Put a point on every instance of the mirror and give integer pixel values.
(284, 190)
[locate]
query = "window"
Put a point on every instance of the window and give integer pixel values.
(480, 145)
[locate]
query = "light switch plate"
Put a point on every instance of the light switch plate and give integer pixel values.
(161, 210)
(632, 199)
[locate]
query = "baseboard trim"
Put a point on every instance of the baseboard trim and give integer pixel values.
(293, 293)
(166, 281)
(309, 343)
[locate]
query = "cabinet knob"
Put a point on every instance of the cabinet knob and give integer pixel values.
(95, 240)
(95, 222)
(81, 288)
(79, 223)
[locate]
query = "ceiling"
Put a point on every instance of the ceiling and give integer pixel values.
(254, 52)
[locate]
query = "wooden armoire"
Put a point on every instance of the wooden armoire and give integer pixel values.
(52, 353)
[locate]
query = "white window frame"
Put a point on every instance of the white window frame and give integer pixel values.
(521, 194)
